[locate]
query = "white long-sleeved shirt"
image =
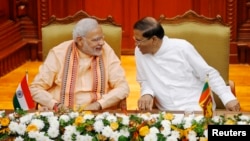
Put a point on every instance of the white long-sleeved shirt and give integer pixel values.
(175, 76)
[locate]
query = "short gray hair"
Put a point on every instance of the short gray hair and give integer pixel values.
(83, 26)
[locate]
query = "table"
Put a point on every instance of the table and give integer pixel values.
(137, 123)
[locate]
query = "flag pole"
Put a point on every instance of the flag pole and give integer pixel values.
(27, 75)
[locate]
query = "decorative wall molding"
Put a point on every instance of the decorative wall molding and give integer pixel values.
(44, 11)
(231, 17)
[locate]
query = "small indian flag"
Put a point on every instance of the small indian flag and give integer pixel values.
(206, 101)
(22, 98)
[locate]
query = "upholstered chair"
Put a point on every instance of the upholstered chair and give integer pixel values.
(210, 37)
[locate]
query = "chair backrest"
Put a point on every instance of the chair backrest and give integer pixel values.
(57, 30)
(210, 37)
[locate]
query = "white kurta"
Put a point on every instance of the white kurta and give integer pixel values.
(176, 74)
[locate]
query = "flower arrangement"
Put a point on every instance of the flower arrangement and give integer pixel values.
(107, 126)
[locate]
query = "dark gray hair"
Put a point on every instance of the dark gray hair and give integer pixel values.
(149, 27)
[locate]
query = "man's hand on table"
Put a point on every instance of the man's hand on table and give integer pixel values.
(145, 102)
(233, 105)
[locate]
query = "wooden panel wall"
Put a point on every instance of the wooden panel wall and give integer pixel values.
(18, 33)
(126, 12)
(4, 10)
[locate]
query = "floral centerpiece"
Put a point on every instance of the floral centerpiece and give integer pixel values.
(107, 126)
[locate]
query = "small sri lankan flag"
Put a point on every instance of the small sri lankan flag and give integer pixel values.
(206, 102)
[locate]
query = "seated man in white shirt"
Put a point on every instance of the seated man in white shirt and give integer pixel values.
(172, 72)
